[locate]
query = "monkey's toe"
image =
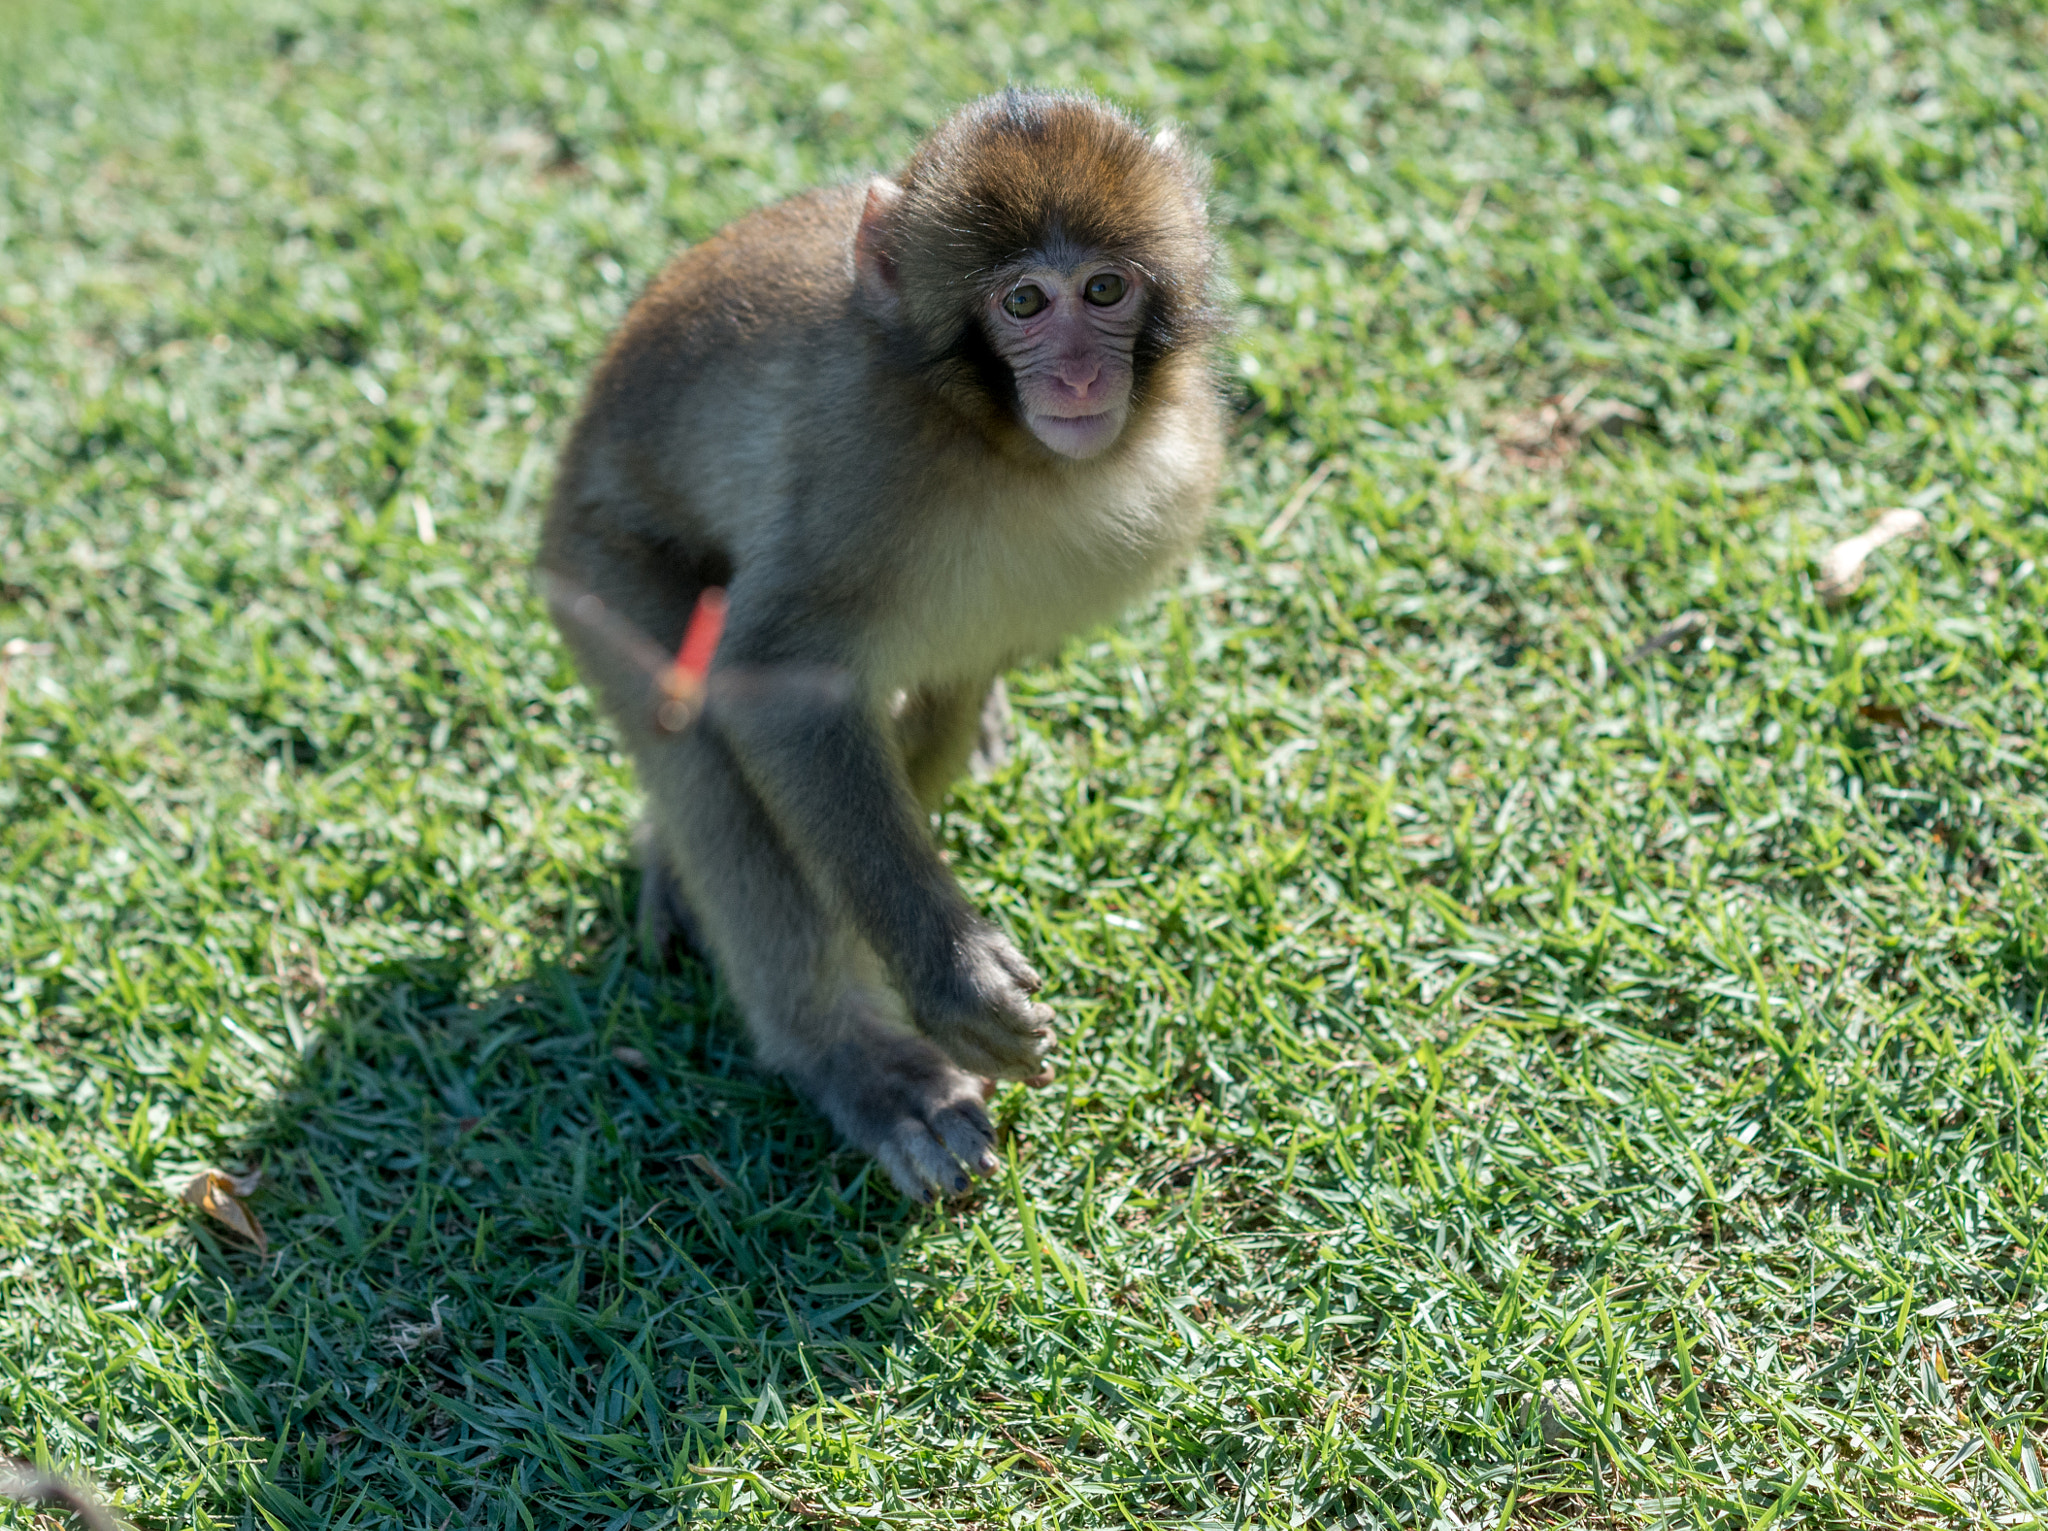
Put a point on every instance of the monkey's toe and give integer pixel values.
(1022, 973)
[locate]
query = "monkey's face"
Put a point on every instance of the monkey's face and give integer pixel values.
(1068, 333)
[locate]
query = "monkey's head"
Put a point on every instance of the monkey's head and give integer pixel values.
(1038, 260)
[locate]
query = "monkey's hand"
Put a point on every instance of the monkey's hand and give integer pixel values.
(980, 1009)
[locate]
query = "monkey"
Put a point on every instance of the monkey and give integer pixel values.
(919, 430)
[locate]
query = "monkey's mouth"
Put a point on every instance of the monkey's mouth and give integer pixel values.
(1077, 435)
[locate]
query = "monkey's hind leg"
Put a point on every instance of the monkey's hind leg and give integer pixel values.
(813, 994)
(666, 925)
(942, 733)
(997, 730)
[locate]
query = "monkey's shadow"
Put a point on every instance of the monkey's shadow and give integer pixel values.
(558, 1242)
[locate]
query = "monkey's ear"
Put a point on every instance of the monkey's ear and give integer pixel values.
(1172, 143)
(874, 268)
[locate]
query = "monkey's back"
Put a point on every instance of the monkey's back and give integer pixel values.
(719, 316)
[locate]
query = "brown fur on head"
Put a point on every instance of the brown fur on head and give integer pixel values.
(1028, 173)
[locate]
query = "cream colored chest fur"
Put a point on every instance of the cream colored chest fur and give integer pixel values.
(1018, 568)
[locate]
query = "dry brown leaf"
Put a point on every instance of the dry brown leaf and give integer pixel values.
(1681, 627)
(1841, 566)
(521, 142)
(826, 1363)
(1468, 210)
(1277, 527)
(403, 1339)
(1919, 717)
(1548, 435)
(1036, 1459)
(219, 1195)
(1556, 1409)
(702, 1162)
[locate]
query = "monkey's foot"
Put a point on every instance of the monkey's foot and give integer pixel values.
(984, 1015)
(993, 733)
(899, 1099)
(667, 925)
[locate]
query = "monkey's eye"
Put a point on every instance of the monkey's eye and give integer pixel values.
(1104, 291)
(1024, 301)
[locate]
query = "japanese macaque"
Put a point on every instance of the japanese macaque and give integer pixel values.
(919, 430)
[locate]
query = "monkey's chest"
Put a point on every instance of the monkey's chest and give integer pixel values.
(1003, 587)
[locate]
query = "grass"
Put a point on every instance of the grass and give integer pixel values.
(1512, 1078)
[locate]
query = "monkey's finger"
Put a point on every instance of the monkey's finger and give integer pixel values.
(1029, 1063)
(1014, 1045)
(999, 1018)
(921, 1166)
(997, 1057)
(976, 1059)
(969, 1136)
(1026, 1018)
(1022, 973)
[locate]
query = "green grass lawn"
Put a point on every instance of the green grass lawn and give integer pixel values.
(1511, 1077)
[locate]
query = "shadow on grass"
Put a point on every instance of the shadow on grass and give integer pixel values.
(542, 1257)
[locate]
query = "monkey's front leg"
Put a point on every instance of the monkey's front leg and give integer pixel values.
(815, 1000)
(839, 795)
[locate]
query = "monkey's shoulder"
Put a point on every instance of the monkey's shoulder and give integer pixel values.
(782, 267)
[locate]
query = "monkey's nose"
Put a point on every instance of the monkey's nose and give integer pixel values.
(1080, 375)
